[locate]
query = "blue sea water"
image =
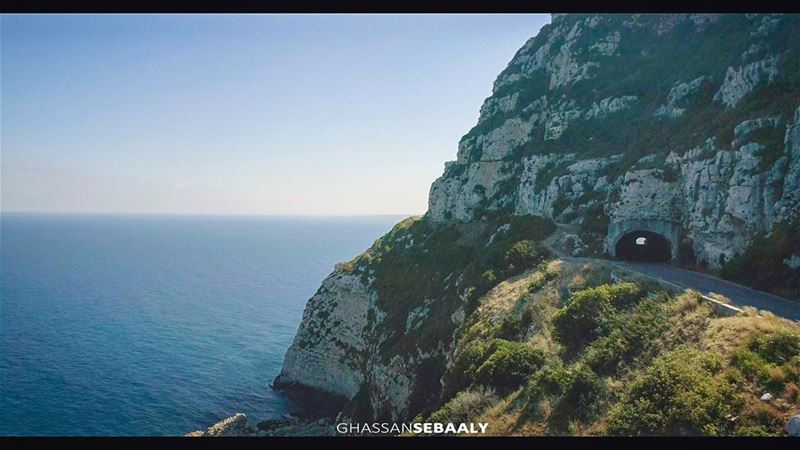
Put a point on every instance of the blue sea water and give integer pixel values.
(155, 325)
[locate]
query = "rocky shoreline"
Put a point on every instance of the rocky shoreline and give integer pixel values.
(606, 125)
(238, 426)
(314, 413)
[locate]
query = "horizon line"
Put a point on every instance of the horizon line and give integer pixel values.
(199, 214)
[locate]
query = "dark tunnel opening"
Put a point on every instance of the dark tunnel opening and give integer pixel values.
(643, 246)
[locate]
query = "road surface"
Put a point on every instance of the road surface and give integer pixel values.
(739, 295)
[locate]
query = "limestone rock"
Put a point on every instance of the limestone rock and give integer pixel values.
(609, 105)
(608, 45)
(235, 425)
(594, 122)
(321, 355)
(742, 80)
(720, 193)
(499, 142)
(678, 97)
(793, 426)
(494, 106)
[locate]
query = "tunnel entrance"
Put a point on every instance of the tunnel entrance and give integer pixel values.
(643, 246)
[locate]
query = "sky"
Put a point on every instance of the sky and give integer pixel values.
(241, 114)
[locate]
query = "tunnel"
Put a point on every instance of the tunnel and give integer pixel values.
(643, 246)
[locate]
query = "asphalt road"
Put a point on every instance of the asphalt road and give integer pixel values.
(739, 295)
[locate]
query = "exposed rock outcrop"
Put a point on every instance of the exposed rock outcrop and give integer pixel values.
(742, 80)
(793, 426)
(331, 333)
(596, 120)
(555, 155)
(235, 425)
(678, 96)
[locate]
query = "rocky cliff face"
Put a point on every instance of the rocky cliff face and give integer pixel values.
(684, 118)
(691, 119)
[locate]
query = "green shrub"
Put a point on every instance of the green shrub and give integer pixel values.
(508, 364)
(752, 366)
(576, 392)
(531, 227)
(755, 431)
(761, 419)
(776, 348)
(540, 282)
(769, 360)
(488, 279)
(522, 255)
(465, 406)
(466, 364)
(678, 394)
(580, 320)
(582, 396)
(629, 336)
(606, 353)
(623, 295)
(588, 313)
(551, 381)
(511, 328)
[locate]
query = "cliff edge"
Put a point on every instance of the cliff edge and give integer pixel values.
(686, 125)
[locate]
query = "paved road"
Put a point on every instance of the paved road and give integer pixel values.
(739, 295)
(706, 284)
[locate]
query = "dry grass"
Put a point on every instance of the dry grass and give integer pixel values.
(720, 298)
(693, 322)
(724, 334)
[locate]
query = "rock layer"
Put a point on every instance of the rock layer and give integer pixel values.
(597, 120)
(553, 150)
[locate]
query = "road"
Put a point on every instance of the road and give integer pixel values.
(739, 295)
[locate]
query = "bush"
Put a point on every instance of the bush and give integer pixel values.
(465, 406)
(576, 392)
(551, 381)
(522, 255)
(466, 364)
(678, 395)
(769, 360)
(531, 227)
(629, 336)
(607, 352)
(582, 396)
(546, 277)
(623, 295)
(512, 328)
(488, 279)
(751, 365)
(755, 431)
(761, 419)
(589, 312)
(777, 348)
(580, 320)
(508, 364)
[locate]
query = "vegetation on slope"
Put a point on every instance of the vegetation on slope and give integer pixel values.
(566, 350)
(763, 264)
(425, 273)
(648, 68)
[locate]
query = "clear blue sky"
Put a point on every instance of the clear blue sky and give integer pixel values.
(230, 114)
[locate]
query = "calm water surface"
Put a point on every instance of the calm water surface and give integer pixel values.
(155, 325)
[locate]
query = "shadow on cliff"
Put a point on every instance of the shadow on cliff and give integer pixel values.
(309, 403)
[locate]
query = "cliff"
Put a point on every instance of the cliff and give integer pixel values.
(684, 124)
(689, 119)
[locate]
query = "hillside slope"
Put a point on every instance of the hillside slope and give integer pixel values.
(685, 123)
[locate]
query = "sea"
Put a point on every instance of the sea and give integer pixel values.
(125, 325)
